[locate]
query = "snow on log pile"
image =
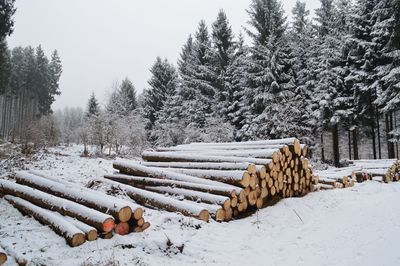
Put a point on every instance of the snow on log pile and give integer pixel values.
(227, 180)
(73, 212)
(386, 170)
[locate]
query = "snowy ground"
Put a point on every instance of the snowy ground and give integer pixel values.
(357, 226)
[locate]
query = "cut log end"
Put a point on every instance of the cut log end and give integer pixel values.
(245, 179)
(227, 204)
(252, 198)
(140, 222)
(220, 215)
(108, 225)
(3, 258)
(297, 147)
(125, 214)
(204, 215)
(76, 240)
(260, 203)
(122, 229)
(138, 213)
(252, 169)
(234, 202)
(91, 235)
(145, 226)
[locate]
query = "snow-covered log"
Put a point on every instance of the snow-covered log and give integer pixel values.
(141, 182)
(231, 177)
(137, 169)
(3, 256)
(74, 236)
(104, 203)
(90, 231)
(255, 153)
(244, 143)
(249, 167)
(189, 157)
(193, 148)
(158, 201)
(99, 220)
(137, 210)
(197, 196)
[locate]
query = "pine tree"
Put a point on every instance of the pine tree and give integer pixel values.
(300, 17)
(199, 78)
(42, 82)
(55, 69)
(7, 11)
(93, 108)
(163, 84)
(222, 37)
(127, 95)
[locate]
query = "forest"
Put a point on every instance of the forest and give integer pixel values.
(332, 80)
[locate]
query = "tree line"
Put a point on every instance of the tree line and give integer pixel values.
(337, 73)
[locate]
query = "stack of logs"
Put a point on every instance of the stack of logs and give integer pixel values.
(221, 180)
(75, 213)
(386, 170)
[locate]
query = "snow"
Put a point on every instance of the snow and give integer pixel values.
(217, 166)
(354, 226)
(220, 174)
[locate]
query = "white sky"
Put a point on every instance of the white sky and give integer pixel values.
(101, 41)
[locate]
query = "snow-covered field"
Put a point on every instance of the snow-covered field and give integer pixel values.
(357, 226)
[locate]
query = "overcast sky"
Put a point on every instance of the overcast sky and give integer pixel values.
(100, 41)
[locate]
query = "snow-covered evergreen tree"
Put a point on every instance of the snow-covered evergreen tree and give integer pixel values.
(163, 84)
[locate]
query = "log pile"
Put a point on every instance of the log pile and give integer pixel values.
(75, 213)
(386, 170)
(221, 180)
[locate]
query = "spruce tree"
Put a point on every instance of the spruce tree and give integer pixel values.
(222, 37)
(93, 108)
(127, 94)
(163, 84)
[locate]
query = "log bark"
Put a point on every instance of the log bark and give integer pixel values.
(91, 232)
(74, 236)
(141, 182)
(249, 167)
(158, 201)
(231, 177)
(181, 157)
(197, 196)
(99, 220)
(119, 210)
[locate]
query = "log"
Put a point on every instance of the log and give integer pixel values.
(141, 182)
(216, 211)
(158, 201)
(175, 157)
(197, 196)
(194, 148)
(3, 256)
(136, 169)
(104, 203)
(245, 143)
(91, 232)
(122, 229)
(137, 210)
(99, 220)
(231, 177)
(71, 233)
(12, 253)
(249, 167)
(255, 153)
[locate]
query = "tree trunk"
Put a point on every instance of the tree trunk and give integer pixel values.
(355, 143)
(161, 202)
(335, 139)
(349, 140)
(95, 200)
(99, 220)
(60, 226)
(141, 182)
(378, 126)
(388, 120)
(322, 147)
